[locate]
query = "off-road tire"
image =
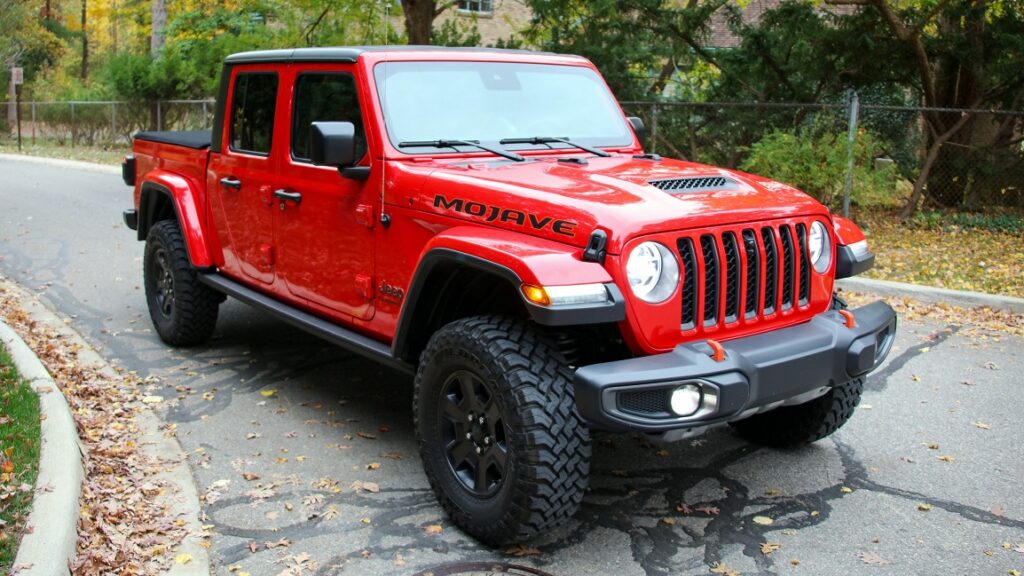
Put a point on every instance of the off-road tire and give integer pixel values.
(547, 442)
(187, 314)
(791, 426)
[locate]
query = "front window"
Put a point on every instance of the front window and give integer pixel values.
(493, 101)
(477, 6)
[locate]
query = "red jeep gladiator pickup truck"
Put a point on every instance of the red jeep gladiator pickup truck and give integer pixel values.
(487, 221)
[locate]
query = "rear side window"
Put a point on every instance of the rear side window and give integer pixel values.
(252, 112)
(328, 97)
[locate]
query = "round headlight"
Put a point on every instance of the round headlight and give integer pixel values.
(652, 271)
(820, 247)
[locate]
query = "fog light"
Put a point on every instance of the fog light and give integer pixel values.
(685, 400)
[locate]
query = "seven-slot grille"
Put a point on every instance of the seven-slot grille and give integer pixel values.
(749, 273)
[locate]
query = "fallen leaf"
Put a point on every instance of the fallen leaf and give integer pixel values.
(947, 458)
(1019, 548)
(924, 507)
(773, 492)
(871, 558)
(908, 459)
(433, 529)
(373, 466)
(996, 511)
(915, 378)
(708, 509)
(794, 562)
(982, 425)
(393, 455)
(366, 435)
(331, 512)
(152, 399)
(669, 521)
(365, 520)
(253, 547)
(269, 393)
(768, 547)
(932, 446)
(846, 489)
(663, 453)
(763, 520)
(368, 486)
(208, 395)
(1013, 572)
(720, 568)
(250, 476)
(991, 365)
(183, 558)
(282, 543)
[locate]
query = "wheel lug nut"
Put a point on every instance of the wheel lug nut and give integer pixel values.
(487, 439)
(469, 436)
(469, 417)
(479, 450)
(481, 421)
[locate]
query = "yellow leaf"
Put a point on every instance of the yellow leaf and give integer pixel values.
(183, 558)
(433, 529)
(669, 521)
(924, 507)
(846, 490)
(763, 520)
(768, 547)
(269, 393)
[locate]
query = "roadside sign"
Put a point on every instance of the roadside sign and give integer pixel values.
(17, 76)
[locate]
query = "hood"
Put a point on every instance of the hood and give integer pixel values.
(566, 201)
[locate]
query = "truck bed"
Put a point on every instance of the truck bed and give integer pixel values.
(195, 139)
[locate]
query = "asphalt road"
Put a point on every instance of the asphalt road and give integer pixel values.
(873, 499)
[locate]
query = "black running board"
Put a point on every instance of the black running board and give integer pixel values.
(333, 333)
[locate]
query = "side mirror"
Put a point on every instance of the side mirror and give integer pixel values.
(638, 128)
(332, 143)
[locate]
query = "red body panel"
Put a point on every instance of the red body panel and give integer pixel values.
(331, 256)
(182, 171)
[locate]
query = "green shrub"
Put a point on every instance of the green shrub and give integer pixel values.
(1009, 222)
(816, 164)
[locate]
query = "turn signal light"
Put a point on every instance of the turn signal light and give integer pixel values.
(536, 294)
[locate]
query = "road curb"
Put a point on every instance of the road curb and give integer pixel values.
(51, 545)
(183, 496)
(930, 294)
(77, 164)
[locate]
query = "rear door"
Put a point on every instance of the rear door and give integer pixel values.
(325, 236)
(240, 178)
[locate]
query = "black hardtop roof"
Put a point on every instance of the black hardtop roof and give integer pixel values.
(351, 53)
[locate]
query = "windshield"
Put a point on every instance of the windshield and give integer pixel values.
(492, 101)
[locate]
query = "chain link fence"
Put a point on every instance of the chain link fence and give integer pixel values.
(109, 123)
(980, 165)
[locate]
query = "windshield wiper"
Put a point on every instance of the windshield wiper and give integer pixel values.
(550, 139)
(454, 143)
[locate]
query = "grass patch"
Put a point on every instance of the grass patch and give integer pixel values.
(100, 155)
(19, 457)
(963, 251)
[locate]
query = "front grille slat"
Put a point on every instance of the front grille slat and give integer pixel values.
(771, 266)
(788, 267)
(689, 283)
(712, 289)
(748, 275)
(805, 264)
(732, 277)
(753, 273)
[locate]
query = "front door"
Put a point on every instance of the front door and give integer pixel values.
(325, 230)
(241, 175)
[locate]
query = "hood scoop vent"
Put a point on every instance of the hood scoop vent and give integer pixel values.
(693, 184)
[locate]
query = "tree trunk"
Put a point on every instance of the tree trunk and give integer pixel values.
(419, 20)
(156, 37)
(85, 43)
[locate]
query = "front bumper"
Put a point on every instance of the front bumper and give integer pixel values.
(782, 367)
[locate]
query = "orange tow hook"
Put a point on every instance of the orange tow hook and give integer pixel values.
(718, 353)
(850, 320)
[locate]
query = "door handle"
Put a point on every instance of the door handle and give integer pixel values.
(229, 182)
(288, 196)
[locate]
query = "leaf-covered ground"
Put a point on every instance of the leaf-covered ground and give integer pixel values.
(124, 526)
(944, 255)
(19, 457)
